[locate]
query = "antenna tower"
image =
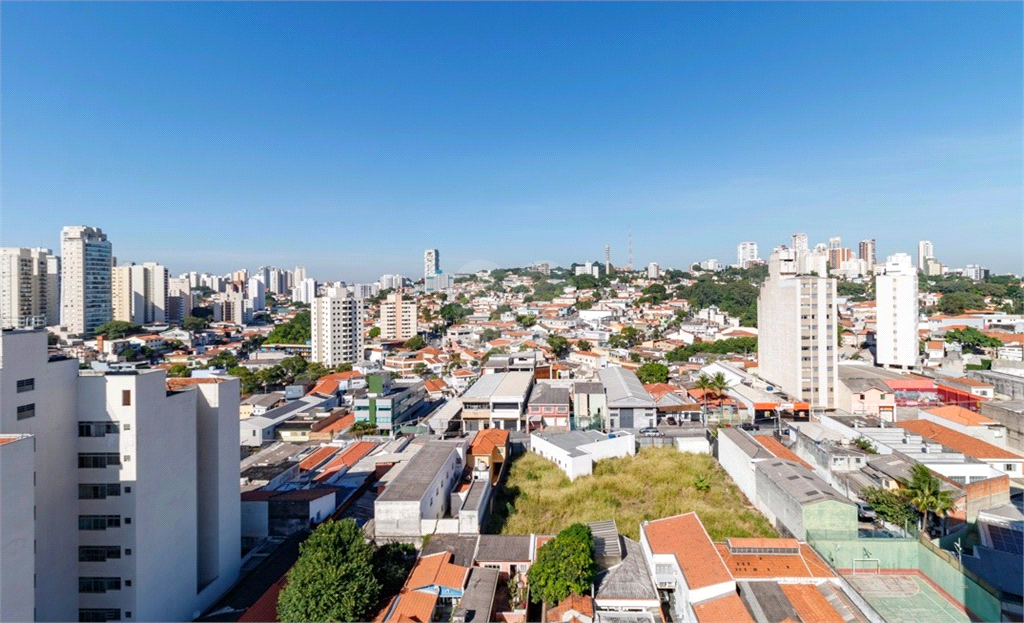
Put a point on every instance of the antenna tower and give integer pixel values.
(629, 266)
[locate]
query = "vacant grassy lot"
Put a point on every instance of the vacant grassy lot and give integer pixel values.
(657, 482)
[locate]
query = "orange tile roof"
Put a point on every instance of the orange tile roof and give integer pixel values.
(810, 604)
(775, 446)
(727, 609)
(437, 570)
(339, 425)
(265, 608)
(958, 441)
(434, 385)
(4, 440)
(346, 458)
(684, 537)
(761, 542)
(413, 607)
(329, 384)
(806, 564)
(582, 605)
(317, 458)
(962, 416)
(173, 384)
(487, 440)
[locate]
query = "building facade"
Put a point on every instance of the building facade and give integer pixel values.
(25, 288)
(896, 306)
(397, 318)
(866, 251)
(337, 328)
(925, 252)
(796, 318)
(431, 262)
(86, 262)
(139, 293)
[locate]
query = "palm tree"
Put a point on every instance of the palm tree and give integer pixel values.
(718, 385)
(704, 384)
(924, 491)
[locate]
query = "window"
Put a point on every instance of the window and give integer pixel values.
(99, 614)
(126, 398)
(127, 426)
(26, 411)
(128, 552)
(97, 429)
(127, 520)
(26, 385)
(98, 553)
(98, 491)
(1008, 467)
(97, 460)
(127, 458)
(98, 522)
(127, 489)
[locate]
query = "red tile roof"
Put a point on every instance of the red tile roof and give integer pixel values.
(961, 416)
(265, 608)
(487, 440)
(346, 458)
(329, 384)
(318, 457)
(806, 564)
(413, 607)
(958, 441)
(727, 609)
(437, 570)
(810, 604)
(572, 603)
(774, 446)
(175, 384)
(684, 537)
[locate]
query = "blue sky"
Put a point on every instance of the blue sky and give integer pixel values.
(349, 137)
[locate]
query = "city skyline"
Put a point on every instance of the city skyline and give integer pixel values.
(505, 134)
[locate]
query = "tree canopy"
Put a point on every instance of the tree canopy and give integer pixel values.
(559, 345)
(736, 297)
(652, 373)
(742, 345)
(958, 302)
(295, 331)
(194, 323)
(117, 329)
(924, 491)
(972, 340)
(333, 579)
(416, 342)
(565, 565)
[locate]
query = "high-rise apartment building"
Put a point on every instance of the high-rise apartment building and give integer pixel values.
(976, 272)
(139, 293)
(391, 282)
(797, 324)
(337, 327)
(25, 288)
(746, 254)
(304, 291)
(86, 262)
(431, 262)
(653, 270)
(799, 243)
(136, 492)
(397, 318)
(866, 252)
(896, 308)
(17, 527)
(257, 294)
(925, 252)
(299, 275)
(179, 300)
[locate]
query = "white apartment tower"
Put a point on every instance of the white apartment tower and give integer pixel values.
(86, 261)
(896, 307)
(17, 527)
(139, 293)
(257, 292)
(746, 254)
(925, 252)
(799, 243)
(397, 318)
(26, 299)
(866, 252)
(653, 270)
(304, 291)
(431, 263)
(137, 502)
(179, 299)
(337, 328)
(797, 324)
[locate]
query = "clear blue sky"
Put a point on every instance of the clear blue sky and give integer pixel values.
(349, 137)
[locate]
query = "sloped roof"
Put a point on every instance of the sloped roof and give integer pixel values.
(685, 538)
(727, 609)
(960, 442)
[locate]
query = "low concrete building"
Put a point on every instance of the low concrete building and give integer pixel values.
(575, 451)
(629, 404)
(590, 406)
(1010, 414)
(497, 400)
(797, 502)
(420, 495)
(549, 406)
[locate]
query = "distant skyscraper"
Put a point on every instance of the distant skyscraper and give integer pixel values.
(925, 252)
(26, 299)
(139, 293)
(336, 321)
(179, 300)
(257, 294)
(746, 254)
(397, 318)
(797, 323)
(653, 270)
(896, 312)
(866, 251)
(304, 291)
(799, 242)
(431, 262)
(299, 274)
(86, 261)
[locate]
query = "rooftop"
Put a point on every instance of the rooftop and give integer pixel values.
(487, 440)
(544, 393)
(423, 467)
(727, 609)
(499, 386)
(478, 598)
(959, 415)
(437, 570)
(799, 482)
(503, 548)
(570, 441)
(630, 579)
(624, 388)
(685, 538)
(958, 441)
(776, 447)
(803, 564)
(746, 443)
(462, 547)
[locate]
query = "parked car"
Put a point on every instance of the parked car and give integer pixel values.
(865, 512)
(750, 426)
(651, 432)
(670, 421)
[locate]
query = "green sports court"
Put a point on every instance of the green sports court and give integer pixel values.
(906, 599)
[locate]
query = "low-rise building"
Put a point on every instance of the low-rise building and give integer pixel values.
(389, 404)
(549, 406)
(629, 404)
(420, 495)
(797, 502)
(497, 400)
(575, 451)
(967, 422)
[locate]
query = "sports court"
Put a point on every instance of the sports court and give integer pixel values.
(905, 599)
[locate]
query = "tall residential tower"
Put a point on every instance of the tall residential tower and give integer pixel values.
(896, 308)
(86, 262)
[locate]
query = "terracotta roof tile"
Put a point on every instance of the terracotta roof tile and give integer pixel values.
(437, 570)
(317, 458)
(487, 440)
(950, 438)
(775, 446)
(962, 416)
(727, 609)
(265, 608)
(806, 564)
(684, 537)
(572, 603)
(810, 604)
(413, 607)
(346, 458)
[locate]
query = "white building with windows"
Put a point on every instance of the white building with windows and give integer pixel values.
(797, 323)
(746, 254)
(139, 293)
(86, 261)
(17, 527)
(925, 252)
(896, 306)
(431, 263)
(304, 291)
(337, 327)
(26, 288)
(397, 318)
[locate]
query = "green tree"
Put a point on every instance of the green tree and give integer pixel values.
(559, 345)
(865, 444)
(652, 373)
(583, 345)
(224, 360)
(202, 312)
(705, 384)
(391, 565)
(374, 332)
(52, 339)
(364, 427)
(564, 566)
(718, 385)
(246, 378)
(416, 342)
(489, 334)
(972, 340)
(526, 320)
(924, 492)
(333, 579)
(117, 329)
(625, 338)
(453, 313)
(295, 331)
(179, 371)
(958, 302)
(892, 506)
(420, 369)
(194, 323)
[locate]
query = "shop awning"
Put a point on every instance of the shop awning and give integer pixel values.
(765, 406)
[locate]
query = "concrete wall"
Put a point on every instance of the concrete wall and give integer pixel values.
(837, 518)
(397, 519)
(697, 445)
(616, 447)
(17, 529)
(254, 520)
(782, 510)
(738, 465)
(1012, 420)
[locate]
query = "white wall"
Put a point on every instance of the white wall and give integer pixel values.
(738, 465)
(17, 529)
(697, 445)
(619, 446)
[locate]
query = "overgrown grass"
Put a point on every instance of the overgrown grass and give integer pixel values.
(657, 482)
